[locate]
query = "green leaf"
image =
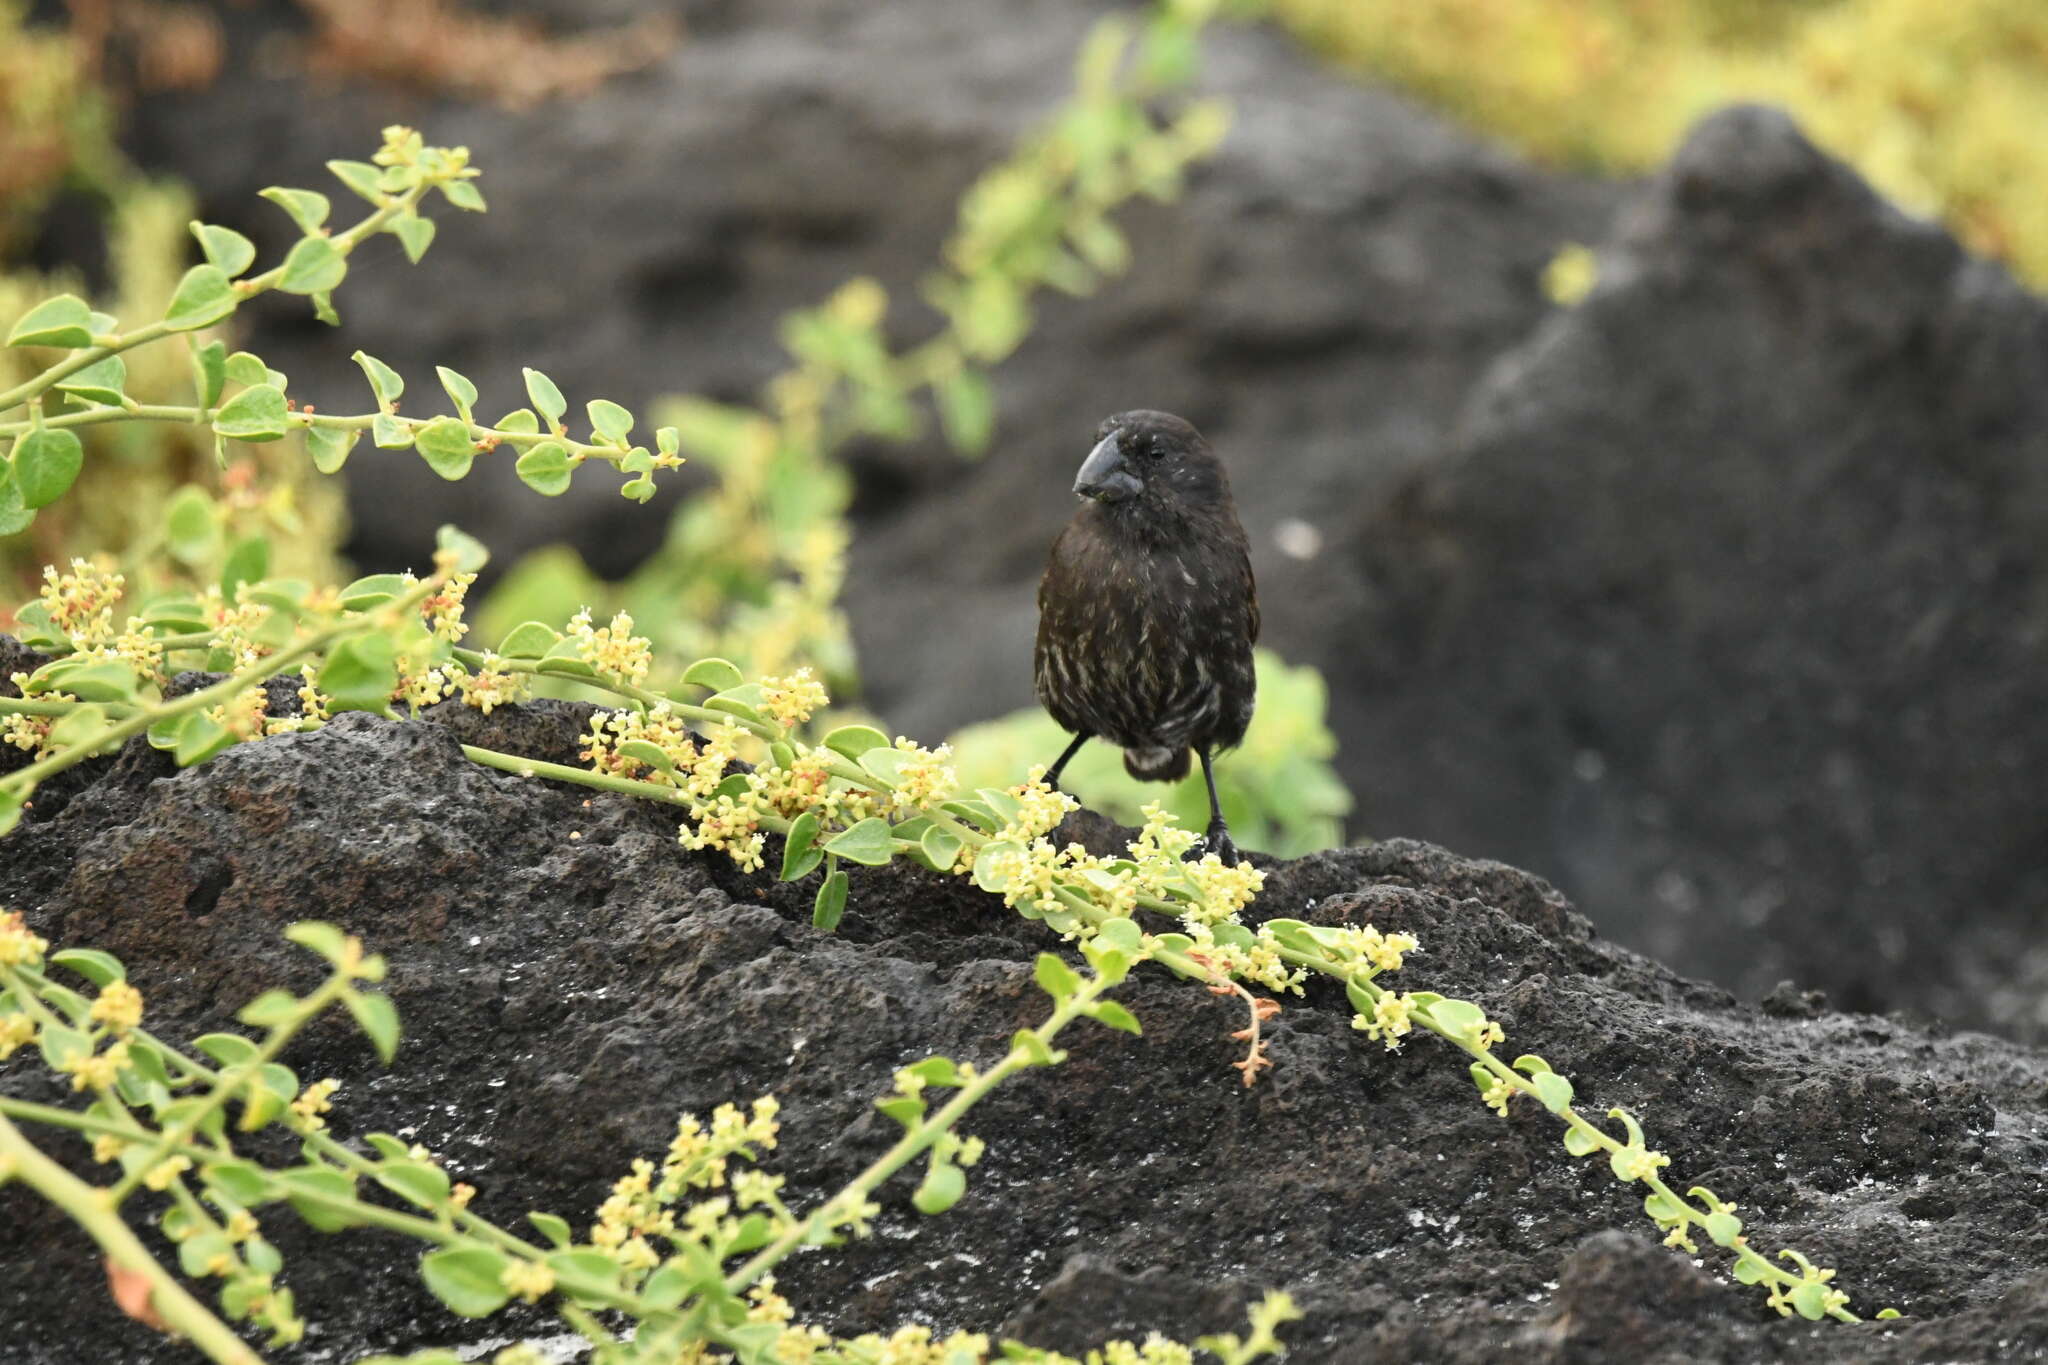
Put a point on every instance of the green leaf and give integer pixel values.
(936, 1071)
(1055, 977)
(521, 420)
(248, 562)
(1579, 1142)
(1554, 1090)
(192, 526)
(547, 399)
(610, 421)
(717, 674)
(270, 1008)
(467, 1279)
(529, 640)
(384, 381)
(323, 307)
(226, 250)
(966, 410)
(907, 1110)
(1723, 1228)
(800, 852)
(1810, 1297)
(464, 195)
(422, 1183)
(460, 391)
(325, 1182)
(868, 843)
(1035, 1049)
(46, 464)
(470, 553)
(985, 875)
(11, 800)
(229, 1049)
(940, 845)
(255, 415)
(196, 1252)
(1116, 1016)
(211, 360)
(855, 740)
(743, 701)
(64, 322)
(378, 1019)
(1661, 1209)
(307, 208)
(15, 516)
(361, 177)
(830, 904)
(368, 593)
(584, 1264)
(318, 936)
(414, 233)
(445, 445)
(198, 738)
(1750, 1267)
(1460, 1019)
(242, 1181)
(329, 446)
(556, 1230)
(941, 1188)
(313, 266)
(545, 469)
(102, 969)
(203, 298)
(388, 433)
(101, 382)
(360, 674)
(62, 1045)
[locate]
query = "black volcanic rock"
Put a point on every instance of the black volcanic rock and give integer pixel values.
(571, 979)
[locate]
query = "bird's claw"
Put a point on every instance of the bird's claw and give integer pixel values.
(1218, 841)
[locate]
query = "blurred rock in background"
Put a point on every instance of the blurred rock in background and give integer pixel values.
(1717, 597)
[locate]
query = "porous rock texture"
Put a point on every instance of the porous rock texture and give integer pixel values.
(1717, 599)
(571, 979)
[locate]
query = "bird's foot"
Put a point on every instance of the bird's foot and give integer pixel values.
(1218, 841)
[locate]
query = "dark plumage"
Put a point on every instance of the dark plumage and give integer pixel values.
(1147, 613)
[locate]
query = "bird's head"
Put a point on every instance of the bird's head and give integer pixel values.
(1152, 461)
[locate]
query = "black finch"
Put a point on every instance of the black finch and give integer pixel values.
(1147, 613)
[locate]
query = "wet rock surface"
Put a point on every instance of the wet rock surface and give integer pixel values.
(571, 979)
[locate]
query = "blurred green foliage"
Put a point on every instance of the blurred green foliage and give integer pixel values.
(1278, 790)
(1941, 103)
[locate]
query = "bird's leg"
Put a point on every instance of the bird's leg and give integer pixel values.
(1052, 774)
(1218, 837)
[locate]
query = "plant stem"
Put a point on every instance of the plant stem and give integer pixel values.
(87, 1206)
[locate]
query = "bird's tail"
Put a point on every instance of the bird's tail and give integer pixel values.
(1157, 765)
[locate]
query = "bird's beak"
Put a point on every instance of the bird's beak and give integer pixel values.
(1104, 476)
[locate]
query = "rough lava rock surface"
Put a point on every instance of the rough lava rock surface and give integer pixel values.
(1716, 599)
(566, 997)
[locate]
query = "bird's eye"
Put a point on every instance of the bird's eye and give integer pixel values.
(1154, 450)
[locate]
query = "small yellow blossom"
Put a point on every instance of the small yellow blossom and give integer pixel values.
(312, 1103)
(241, 1225)
(792, 700)
(100, 1070)
(16, 1031)
(19, 947)
(164, 1172)
(612, 650)
(460, 1196)
(1389, 1020)
(529, 1280)
(107, 1147)
(119, 1007)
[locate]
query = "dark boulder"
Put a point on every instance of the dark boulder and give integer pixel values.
(571, 979)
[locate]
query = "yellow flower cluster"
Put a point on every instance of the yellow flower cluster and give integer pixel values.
(1390, 1019)
(443, 611)
(119, 1007)
(19, 947)
(16, 1032)
(697, 1157)
(528, 1280)
(164, 1172)
(1497, 1095)
(490, 687)
(790, 701)
(925, 778)
(245, 715)
(1636, 1163)
(312, 1102)
(30, 733)
(631, 1213)
(81, 602)
(612, 650)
